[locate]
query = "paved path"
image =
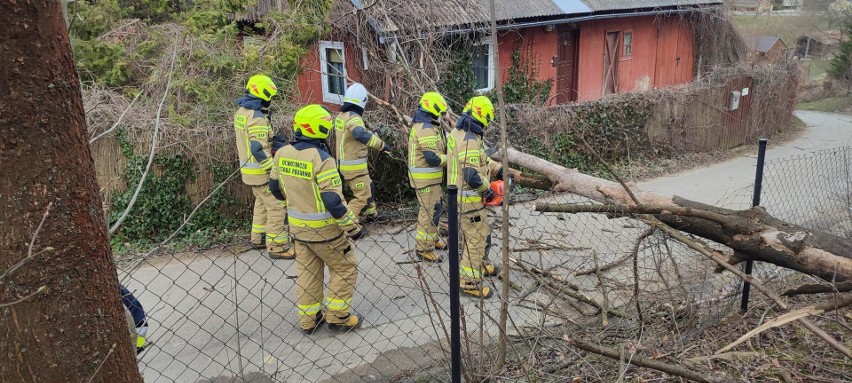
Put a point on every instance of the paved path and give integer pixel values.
(213, 313)
(730, 183)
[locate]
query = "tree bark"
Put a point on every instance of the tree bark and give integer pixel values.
(752, 234)
(74, 329)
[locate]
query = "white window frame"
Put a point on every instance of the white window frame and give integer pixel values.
(490, 43)
(323, 63)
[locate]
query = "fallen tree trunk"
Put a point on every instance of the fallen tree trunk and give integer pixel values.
(753, 234)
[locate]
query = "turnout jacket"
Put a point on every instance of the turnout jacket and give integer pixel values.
(468, 167)
(253, 134)
(426, 148)
(306, 175)
(353, 141)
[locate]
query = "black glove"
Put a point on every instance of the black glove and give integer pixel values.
(488, 195)
(499, 175)
(357, 233)
(387, 148)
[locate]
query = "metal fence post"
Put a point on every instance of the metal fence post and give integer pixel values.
(455, 311)
(758, 186)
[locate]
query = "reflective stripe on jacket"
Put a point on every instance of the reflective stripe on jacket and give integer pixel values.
(351, 153)
(252, 125)
(304, 175)
(424, 137)
(465, 150)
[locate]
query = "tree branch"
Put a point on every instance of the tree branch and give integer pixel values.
(670, 369)
(132, 202)
(115, 125)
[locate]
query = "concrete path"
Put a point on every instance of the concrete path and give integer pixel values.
(217, 313)
(730, 183)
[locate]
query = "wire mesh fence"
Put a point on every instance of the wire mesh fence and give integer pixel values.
(230, 314)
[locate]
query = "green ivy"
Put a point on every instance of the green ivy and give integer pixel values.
(163, 203)
(521, 85)
(461, 84)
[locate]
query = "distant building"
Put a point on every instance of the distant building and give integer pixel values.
(587, 48)
(818, 44)
(766, 49)
(756, 6)
(792, 5)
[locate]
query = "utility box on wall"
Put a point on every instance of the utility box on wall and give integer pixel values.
(735, 100)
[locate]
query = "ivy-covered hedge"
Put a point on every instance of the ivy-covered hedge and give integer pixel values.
(124, 48)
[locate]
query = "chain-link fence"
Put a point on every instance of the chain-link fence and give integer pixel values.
(230, 314)
(813, 190)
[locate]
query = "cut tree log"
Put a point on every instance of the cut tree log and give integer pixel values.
(753, 234)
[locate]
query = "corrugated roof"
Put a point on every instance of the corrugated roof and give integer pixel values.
(761, 44)
(393, 15)
(620, 5)
(396, 15)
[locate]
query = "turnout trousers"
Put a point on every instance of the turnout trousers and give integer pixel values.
(311, 260)
(476, 235)
(268, 218)
(363, 201)
(428, 217)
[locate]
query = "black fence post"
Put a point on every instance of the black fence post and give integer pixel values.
(758, 186)
(455, 305)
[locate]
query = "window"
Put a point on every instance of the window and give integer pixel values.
(627, 45)
(333, 71)
(483, 65)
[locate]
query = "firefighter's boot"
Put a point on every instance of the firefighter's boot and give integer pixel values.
(490, 270)
(288, 254)
(476, 290)
(440, 245)
(349, 323)
(319, 320)
(259, 245)
(430, 256)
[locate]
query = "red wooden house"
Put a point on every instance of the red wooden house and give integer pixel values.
(588, 48)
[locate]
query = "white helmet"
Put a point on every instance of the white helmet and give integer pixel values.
(356, 94)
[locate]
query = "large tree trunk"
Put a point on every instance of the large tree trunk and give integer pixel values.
(752, 234)
(74, 329)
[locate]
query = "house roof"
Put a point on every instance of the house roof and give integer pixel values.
(396, 15)
(747, 3)
(828, 38)
(620, 5)
(762, 44)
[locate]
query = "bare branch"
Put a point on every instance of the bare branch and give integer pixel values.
(650, 363)
(155, 135)
(834, 304)
(30, 254)
(115, 125)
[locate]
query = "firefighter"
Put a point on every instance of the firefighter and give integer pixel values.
(470, 169)
(253, 136)
(353, 141)
(136, 319)
(320, 222)
(426, 163)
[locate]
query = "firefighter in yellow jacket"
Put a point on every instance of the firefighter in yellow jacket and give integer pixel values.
(471, 170)
(253, 135)
(426, 163)
(353, 141)
(320, 222)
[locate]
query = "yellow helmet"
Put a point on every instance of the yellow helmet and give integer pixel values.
(262, 87)
(434, 103)
(480, 108)
(313, 121)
